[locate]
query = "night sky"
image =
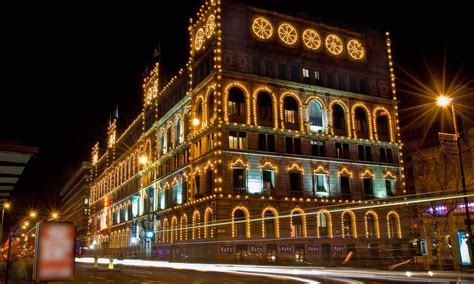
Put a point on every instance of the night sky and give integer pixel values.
(65, 68)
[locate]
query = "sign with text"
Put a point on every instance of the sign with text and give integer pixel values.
(256, 249)
(54, 251)
(226, 249)
(313, 249)
(286, 249)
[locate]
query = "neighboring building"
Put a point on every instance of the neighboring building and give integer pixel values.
(261, 148)
(433, 171)
(74, 206)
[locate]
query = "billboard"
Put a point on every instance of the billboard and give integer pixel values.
(54, 251)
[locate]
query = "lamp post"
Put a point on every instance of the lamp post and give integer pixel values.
(6, 205)
(444, 101)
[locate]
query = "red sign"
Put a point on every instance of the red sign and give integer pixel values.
(54, 254)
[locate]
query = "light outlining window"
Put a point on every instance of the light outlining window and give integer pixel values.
(300, 109)
(276, 220)
(165, 230)
(256, 92)
(353, 223)
(367, 172)
(324, 110)
(347, 116)
(398, 226)
(199, 39)
(328, 222)
(196, 234)
(299, 212)
(311, 39)
(390, 126)
(207, 232)
(210, 26)
(355, 49)
(334, 44)
(183, 236)
(247, 221)
(262, 28)
(369, 119)
(376, 224)
(247, 100)
(174, 229)
(287, 33)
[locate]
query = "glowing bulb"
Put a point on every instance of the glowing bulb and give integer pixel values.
(54, 215)
(143, 160)
(443, 101)
(430, 273)
(33, 214)
(6, 205)
(196, 122)
(26, 223)
(408, 274)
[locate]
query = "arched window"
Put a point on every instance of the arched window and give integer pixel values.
(208, 228)
(196, 231)
(165, 230)
(269, 222)
(347, 225)
(239, 224)
(316, 116)
(393, 225)
(236, 105)
(297, 226)
(370, 226)
(322, 223)
(184, 228)
(198, 116)
(290, 113)
(383, 127)
(339, 120)
(264, 109)
(209, 181)
(177, 132)
(169, 138)
(163, 143)
(210, 106)
(361, 123)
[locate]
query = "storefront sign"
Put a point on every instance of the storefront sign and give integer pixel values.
(54, 251)
(338, 249)
(286, 249)
(256, 249)
(313, 249)
(226, 249)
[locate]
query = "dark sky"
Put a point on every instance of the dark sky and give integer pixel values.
(66, 66)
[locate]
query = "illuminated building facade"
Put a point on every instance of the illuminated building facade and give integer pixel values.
(261, 148)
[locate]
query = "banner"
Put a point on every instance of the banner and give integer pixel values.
(54, 251)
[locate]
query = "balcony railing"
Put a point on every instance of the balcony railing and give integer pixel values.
(240, 191)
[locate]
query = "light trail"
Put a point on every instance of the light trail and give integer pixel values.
(300, 274)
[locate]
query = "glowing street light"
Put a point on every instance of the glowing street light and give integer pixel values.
(54, 215)
(33, 214)
(196, 122)
(443, 101)
(27, 223)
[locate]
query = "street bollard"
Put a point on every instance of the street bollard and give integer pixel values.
(96, 262)
(111, 263)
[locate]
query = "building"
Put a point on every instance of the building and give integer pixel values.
(262, 148)
(74, 203)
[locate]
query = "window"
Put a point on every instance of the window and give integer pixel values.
(290, 107)
(295, 74)
(365, 153)
(239, 181)
(341, 79)
(317, 78)
(321, 183)
(209, 181)
(197, 184)
(390, 186)
(322, 224)
(338, 120)
(293, 145)
(210, 142)
(306, 76)
(236, 103)
(347, 223)
(382, 125)
(210, 106)
(386, 155)
(178, 193)
(269, 68)
(256, 69)
(370, 226)
(296, 228)
(237, 140)
(316, 116)
(197, 148)
(330, 80)
(161, 199)
(265, 109)
(268, 178)
(317, 148)
(342, 150)
(86, 201)
(269, 224)
(239, 221)
(361, 123)
(345, 188)
(368, 187)
(266, 142)
(295, 184)
(352, 84)
(282, 71)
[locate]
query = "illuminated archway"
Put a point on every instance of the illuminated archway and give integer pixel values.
(348, 223)
(393, 225)
(246, 220)
(319, 223)
(275, 218)
(299, 213)
(371, 229)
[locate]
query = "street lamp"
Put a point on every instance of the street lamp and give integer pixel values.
(6, 205)
(33, 214)
(444, 101)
